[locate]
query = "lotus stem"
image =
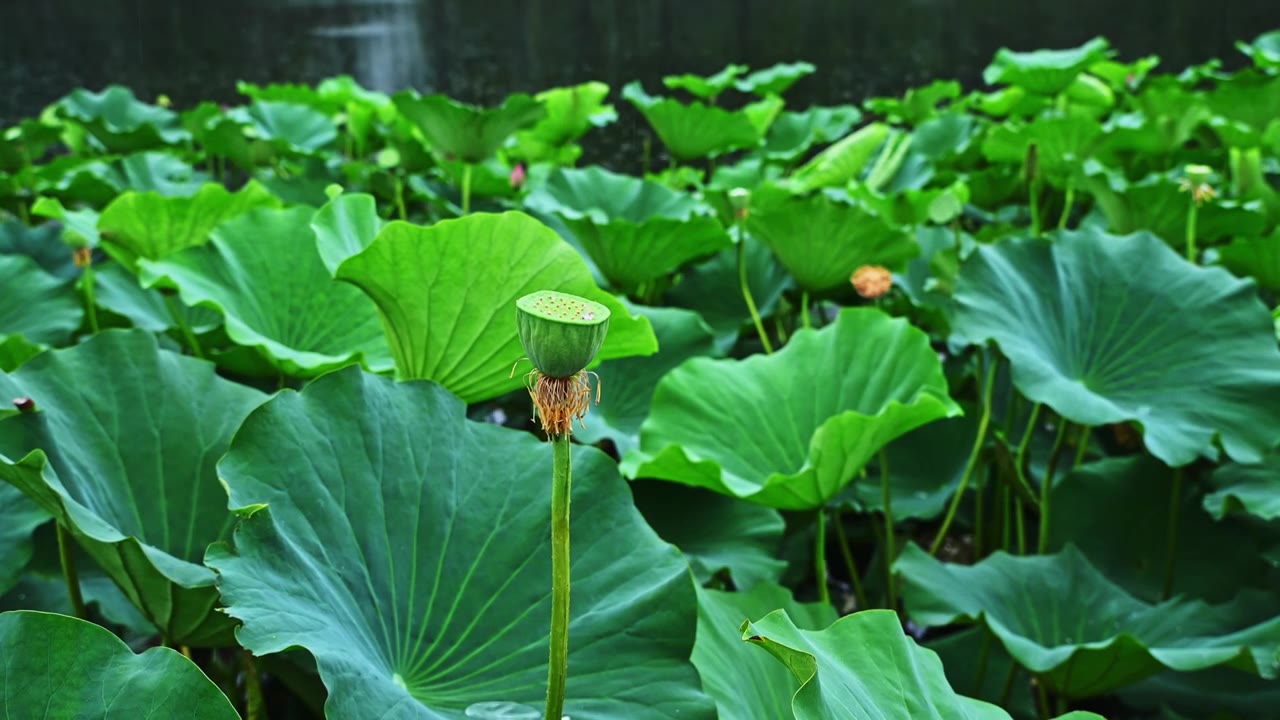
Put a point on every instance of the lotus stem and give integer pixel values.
(1008, 684)
(850, 566)
(1193, 210)
(1033, 197)
(983, 656)
(1067, 205)
(804, 310)
(466, 188)
(255, 705)
(1046, 487)
(558, 668)
(1171, 539)
(886, 500)
(68, 562)
(979, 516)
(1006, 520)
(988, 387)
(176, 313)
(1082, 446)
(400, 209)
(1042, 698)
(820, 557)
(746, 291)
(90, 304)
(1020, 522)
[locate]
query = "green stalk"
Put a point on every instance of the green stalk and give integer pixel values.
(1193, 210)
(558, 667)
(1171, 539)
(988, 388)
(68, 562)
(400, 209)
(820, 557)
(1021, 525)
(1008, 684)
(1082, 448)
(891, 553)
(1068, 203)
(850, 566)
(466, 189)
(979, 520)
(746, 290)
(255, 705)
(1046, 487)
(1042, 699)
(983, 656)
(1033, 198)
(804, 310)
(90, 305)
(1006, 522)
(187, 332)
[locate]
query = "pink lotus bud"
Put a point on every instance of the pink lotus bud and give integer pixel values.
(517, 176)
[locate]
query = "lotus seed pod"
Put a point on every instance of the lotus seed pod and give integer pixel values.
(1198, 174)
(561, 333)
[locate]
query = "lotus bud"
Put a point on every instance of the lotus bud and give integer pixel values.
(872, 281)
(518, 176)
(739, 199)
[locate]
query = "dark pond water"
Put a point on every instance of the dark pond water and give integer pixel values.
(480, 50)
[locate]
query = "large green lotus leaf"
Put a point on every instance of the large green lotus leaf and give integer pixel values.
(35, 304)
(815, 412)
(292, 126)
(1045, 72)
(41, 243)
(79, 227)
(719, 535)
(571, 112)
(1250, 489)
(447, 296)
(918, 104)
(161, 172)
(713, 289)
(822, 238)
(925, 467)
(863, 665)
(1097, 507)
(1219, 693)
(345, 226)
(408, 550)
(122, 452)
(1188, 352)
(151, 226)
(775, 79)
(1083, 636)
(844, 161)
(601, 196)
(467, 132)
(60, 667)
(263, 273)
(120, 121)
(1063, 143)
(1249, 100)
(696, 130)
(681, 334)
(19, 517)
(1159, 205)
(118, 290)
(792, 134)
(1255, 257)
(746, 683)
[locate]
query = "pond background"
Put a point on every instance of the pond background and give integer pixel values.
(481, 50)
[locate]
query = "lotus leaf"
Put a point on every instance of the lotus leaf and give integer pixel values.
(1159, 205)
(149, 225)
(290, 126)
(118, 120)
(448, 323)
(263, 272)
(822, 238)
(1251, 489)
(712, 288)
(709, 86)
(344, 227)
(1188, 352)
(43, 244)
(43, 651)
(26, 286)
(818, 410)
(1045, 72)
(863, 666)
(842, 162)
(122, 453)
(420, 579)
(696, 130)
(1079, 633)
(1264, 50)
(467, 132)
(571, 112)
(746, 683)
(775, 79)
(792, 134)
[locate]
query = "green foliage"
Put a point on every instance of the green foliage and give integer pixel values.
(1032, 327)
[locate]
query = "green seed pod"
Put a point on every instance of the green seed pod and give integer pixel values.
(561, 333)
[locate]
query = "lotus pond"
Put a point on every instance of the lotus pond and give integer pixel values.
(959, 404)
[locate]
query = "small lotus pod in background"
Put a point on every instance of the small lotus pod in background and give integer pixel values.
(1196, 182)
(740, 199)
(561, 333)
(872, 281)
